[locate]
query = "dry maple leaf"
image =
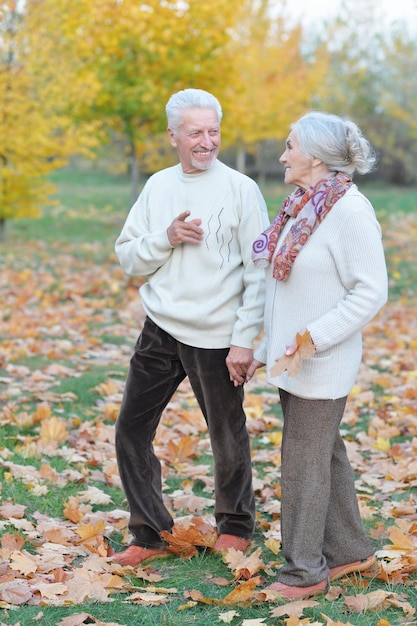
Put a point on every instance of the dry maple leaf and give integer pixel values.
(292, 363)
(10, 543)
(15, 592)
(181, 541)
(23, 562)
(88, 531)
(243, 566)
(93, 495)
(43, 411)
(8, 509)
(53, 429)
(181, 451)
(50, 591)
(148, 599)
(294, 609)
(207, 533)
(243, 593)
(401, 540)
(367, 601)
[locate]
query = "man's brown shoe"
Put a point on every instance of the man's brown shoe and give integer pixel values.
(368, 567)
(225, 542)
(136, 555)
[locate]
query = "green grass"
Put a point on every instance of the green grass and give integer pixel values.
(76, 238)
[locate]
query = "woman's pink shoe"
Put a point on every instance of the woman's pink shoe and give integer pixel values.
(136, 555)
(368, 567)
(289, 592)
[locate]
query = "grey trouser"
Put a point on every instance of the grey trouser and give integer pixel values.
(320, 521)
(157, 367)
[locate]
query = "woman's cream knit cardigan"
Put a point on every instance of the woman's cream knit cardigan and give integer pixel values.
(337, 284)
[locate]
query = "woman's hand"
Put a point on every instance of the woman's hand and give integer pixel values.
(252, 369)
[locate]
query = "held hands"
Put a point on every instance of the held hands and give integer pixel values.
(252, 369)
(181, 231)
(241, 365)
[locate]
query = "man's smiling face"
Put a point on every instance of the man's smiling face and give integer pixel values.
(197, 140)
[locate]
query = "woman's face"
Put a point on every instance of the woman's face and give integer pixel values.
(299, 168)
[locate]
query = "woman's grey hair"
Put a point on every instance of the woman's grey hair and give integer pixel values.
(189, 99)
(337, 142)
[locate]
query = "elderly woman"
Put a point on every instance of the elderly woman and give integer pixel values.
(326, 278)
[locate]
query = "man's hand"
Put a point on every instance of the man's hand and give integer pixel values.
(181, 231)
(238, 361)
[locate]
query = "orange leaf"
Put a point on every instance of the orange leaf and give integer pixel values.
(243, 593)
(181, 451)
(53, 429)
(88, 531)
(10, 543)
(292, 364)
(72, 511)
(400, 540)
(181, 541)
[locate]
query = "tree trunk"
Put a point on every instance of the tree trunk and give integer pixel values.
(241, 159)
(2, 229)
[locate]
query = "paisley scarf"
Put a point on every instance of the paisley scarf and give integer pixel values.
(309, 208)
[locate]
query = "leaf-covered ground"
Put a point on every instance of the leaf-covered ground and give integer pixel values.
(69, 320)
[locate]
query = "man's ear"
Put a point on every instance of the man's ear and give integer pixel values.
(171, 138)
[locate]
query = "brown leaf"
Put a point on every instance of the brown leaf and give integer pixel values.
(244, 566)
(53, 430)
(181, 541)
(367, 602)
(72, 511)
(17, 592)
(181, 451)
(88, 531)
(243, 593)
(10, 543)
(292, 364)
(8, 509)
(295, 608)
(23, 562)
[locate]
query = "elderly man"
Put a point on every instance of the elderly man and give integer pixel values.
(190, 233)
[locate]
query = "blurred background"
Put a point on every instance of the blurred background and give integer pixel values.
(84, 83)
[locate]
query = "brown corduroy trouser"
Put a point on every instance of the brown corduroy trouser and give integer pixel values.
(158, 366)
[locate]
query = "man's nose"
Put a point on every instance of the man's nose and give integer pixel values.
(206, 140)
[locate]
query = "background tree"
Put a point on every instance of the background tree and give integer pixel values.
(36, 135)
(397, 128)
(273, 80)
(140, 53)
(370, 80)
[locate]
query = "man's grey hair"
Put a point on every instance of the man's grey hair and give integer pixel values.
(189, 99)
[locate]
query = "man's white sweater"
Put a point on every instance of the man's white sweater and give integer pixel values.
(208, 295)
(337, 284)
